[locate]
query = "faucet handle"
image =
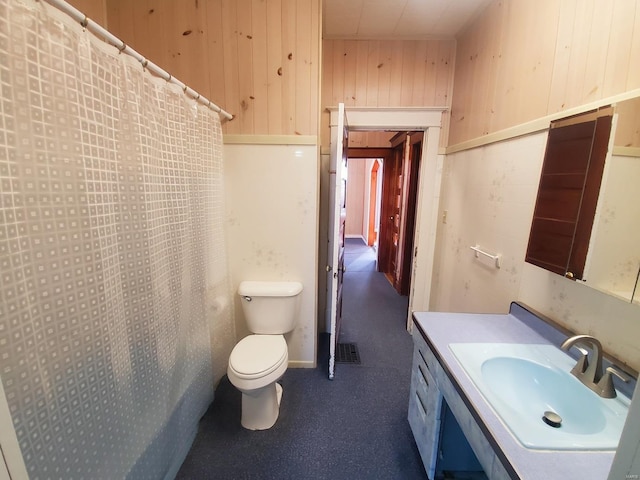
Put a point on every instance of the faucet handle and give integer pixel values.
(583, 361)
(621, 375)
(605, 386)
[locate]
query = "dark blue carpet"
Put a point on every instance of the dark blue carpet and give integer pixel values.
(353, 427)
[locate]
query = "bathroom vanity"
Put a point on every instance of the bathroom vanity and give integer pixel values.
(457, 429)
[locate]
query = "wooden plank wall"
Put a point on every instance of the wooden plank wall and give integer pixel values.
(257, 59)
(96, 10)
(386, 73)
(522, 60)
(370, 139)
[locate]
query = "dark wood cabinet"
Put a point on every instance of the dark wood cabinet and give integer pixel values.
(568, 193)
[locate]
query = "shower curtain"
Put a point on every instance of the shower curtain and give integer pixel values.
(115, 308)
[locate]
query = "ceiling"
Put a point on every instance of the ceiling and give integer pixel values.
(398, 19)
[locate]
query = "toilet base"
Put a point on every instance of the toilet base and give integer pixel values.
(260, 408)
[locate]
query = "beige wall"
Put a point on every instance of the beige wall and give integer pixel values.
(259, 60)
(521, 60)
(356, 177)
(614, 249)
(489, 194)
(271, 202)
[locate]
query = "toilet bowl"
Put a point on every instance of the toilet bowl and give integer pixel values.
(255, 365)
(259, 360)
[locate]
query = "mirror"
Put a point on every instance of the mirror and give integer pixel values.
(585, 224)
(613, 260)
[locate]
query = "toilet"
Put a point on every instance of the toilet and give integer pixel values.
(259, 360)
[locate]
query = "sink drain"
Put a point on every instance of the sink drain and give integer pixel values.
(552, 419)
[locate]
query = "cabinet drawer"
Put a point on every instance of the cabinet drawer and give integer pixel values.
(423, 350)
(422, 379)
(425, 406)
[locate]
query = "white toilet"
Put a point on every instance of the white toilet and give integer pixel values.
(259, 360)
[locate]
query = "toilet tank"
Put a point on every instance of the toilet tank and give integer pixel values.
(270, 308)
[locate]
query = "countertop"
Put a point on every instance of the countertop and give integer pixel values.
(519, 326)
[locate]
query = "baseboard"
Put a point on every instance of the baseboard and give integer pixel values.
(360, 237)
(302, 364)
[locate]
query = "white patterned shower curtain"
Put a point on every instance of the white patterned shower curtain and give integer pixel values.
(115, 308)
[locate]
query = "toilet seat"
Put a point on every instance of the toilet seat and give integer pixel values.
(256, 356)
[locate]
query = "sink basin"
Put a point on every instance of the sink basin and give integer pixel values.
(522, 382)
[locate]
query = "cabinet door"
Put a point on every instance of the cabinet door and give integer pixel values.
(454, 452)
(568, 194)
(425, 404)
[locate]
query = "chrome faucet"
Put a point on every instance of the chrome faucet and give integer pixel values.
(590, 372)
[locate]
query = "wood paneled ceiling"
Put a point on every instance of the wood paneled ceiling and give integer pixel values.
(397, 19)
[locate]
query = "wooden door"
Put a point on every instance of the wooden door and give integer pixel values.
(397, 223)
(391, 214)
(411, 166)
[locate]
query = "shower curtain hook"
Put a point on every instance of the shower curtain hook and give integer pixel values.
(122, 47)
(144, 63)
(85, 23)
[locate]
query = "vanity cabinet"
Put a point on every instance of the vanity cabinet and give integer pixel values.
(464, 411)
(441, 442)
(425, 408)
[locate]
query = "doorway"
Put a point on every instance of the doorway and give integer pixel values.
(428, 121)
(364, 191)
(391, 213)
(375, 192)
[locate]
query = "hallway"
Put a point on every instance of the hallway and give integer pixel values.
(352, 427)
(373, 314)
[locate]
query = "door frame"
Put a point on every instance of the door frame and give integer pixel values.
(428, 120)
(372, 234)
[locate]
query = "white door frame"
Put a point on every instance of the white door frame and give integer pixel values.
(428, 120)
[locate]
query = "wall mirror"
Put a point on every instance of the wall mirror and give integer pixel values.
(586, 223)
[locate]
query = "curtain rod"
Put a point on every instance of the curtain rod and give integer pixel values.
(100, 31)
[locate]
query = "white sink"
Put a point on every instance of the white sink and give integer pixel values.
(521, 382)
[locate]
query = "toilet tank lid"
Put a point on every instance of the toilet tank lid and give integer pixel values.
(269, 289)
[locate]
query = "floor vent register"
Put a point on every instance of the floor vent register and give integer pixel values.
(347, 353)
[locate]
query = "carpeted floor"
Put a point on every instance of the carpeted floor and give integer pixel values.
(353, 427)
